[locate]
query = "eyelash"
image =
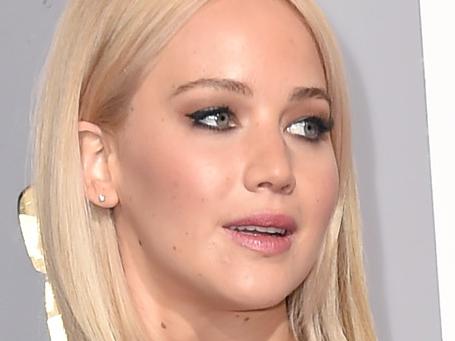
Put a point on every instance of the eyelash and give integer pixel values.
(323, 125)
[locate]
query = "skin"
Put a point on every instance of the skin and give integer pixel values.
(172, 185)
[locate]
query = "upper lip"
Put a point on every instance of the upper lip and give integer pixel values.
(282, 221)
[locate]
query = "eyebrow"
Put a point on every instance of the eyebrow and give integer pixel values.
(241, 88)
(218, 84)
(309, 92)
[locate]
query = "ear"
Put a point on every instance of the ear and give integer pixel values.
(94, 157)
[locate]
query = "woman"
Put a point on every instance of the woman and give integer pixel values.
(193, 175)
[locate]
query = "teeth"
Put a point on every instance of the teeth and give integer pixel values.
(263, 229)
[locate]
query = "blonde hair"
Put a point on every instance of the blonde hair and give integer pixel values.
(96, 63)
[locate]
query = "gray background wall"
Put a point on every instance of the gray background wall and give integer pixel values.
(381, 42)
(382, 48)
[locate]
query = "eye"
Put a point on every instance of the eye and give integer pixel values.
(311, 128)
(217, 118)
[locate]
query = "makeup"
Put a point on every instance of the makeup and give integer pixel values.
(311, 128)
(269, 234)
(269, 245)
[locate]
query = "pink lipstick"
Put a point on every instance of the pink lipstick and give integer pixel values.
(269, 234)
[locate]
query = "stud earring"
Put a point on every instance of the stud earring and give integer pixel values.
(101, 197)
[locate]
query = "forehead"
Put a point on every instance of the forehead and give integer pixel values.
(255, 41)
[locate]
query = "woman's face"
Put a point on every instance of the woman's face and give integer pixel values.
(242, 67)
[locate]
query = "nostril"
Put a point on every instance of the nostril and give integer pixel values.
(265, 184)
(287, 188)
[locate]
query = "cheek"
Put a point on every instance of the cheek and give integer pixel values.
(168, 184)
(324, 194)
(319, 185)
(318, 195)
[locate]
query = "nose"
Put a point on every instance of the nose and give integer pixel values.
(269, 164)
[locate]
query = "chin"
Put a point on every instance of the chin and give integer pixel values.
(258, 302)
(256, 297)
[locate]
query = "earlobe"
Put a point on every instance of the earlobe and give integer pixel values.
(99, 187)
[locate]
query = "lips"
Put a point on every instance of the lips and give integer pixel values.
(281, 221)
(264, 233)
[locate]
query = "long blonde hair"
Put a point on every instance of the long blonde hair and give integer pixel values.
(96, 62)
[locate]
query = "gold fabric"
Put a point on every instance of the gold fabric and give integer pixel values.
(32, 238)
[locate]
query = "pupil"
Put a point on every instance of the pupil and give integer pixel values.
(310, 128)
(222, 119)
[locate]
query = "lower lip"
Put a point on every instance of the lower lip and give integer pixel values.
(268, 245)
